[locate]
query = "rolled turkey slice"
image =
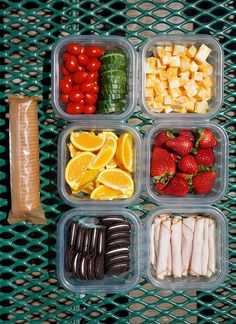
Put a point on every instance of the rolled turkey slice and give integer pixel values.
(211, 268)
(176, 241)
(188, 224)
(163, 247)
(205, 250)
(196, 258)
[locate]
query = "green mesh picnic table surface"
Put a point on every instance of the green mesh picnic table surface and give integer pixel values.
(30, 292)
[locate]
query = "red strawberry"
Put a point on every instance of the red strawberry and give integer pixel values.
(206, 138)
(185, 176)
(163, 137)
(177, 186)
(203, 182)
(187, 133)
(162, 164)
(160, 187)
(175, 157)
(188, 164)
(181, 145)
(205, 157)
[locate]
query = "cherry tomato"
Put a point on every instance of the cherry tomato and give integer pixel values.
(71, 63)
(75, 108)
(92, 76)
(95, 88)
(86, 86)
(68, 78)
(65, 56)
(65, 86)
(64, 98)
(80, 76)
(90, 98)
(76, 87)
(80, 68)
(94, 51)
(93, 64)
(89, 109)
(76, 95)
(64, 70)
(83, 59)
(73, 49)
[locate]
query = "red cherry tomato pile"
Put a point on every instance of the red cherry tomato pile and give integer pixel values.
(78, 86)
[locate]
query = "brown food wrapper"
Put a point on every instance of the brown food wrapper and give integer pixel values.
(24, 161)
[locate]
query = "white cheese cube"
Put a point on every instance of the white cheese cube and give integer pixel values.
(201, 107)
(149, 93)
(167, 100)
(179, 49)
(207, 82)
(168, 109)
(208, 94)
(174, 83)
(191, 88)
(166, 58)
(202, 53)
(198, 76)
(158, 51)
(206, 68)
(191, 51)
(193, 67)
(168, 49)
(175, 93)
(202, 94)
(160, 65)
(175, 61)
(151, 64)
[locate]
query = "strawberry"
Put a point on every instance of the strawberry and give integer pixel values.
(185, 176)
(187, 133)
(177, 186)
(175, 157)
(206, 139)
(203, 182)
(162, 165)
(205, 157)
(160, 187)
(163, 137)
(181, 145)
(188, 164)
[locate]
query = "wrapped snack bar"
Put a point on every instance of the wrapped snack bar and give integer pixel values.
(24, 161)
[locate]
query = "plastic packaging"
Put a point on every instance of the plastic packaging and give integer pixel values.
(110, 284)
(63, 158)
(221, 164)
(216, 59)
(106, 43)
(221, 244)
(24, 161)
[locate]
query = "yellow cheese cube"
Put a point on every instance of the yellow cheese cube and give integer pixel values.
(149, 103)
(202, 53)
(185, 75)
(159, 99)
(172, 72)
(201, 94)
(175, 61)
(208, 94)
(207, 82)
(183, 81)
(163, 75)
(191, 51)
(168, 109)
(182, 100)
(168, 49)
(197, 76)
(191, 88)
(175, 93)
(166, 58)
(190, 106)
(193, 67)
(178, 50)
(157, 88)
(206, 68)
(160, 65)
(151, 80)
(149, 93)
(158, 51)
(164, 84)
(201, 107)
(181, 110)
(185, 65)
(157, 107)
(167, 100)
(151, 64)
(174, 83)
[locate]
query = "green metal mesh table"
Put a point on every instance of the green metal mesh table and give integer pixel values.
(30, 291)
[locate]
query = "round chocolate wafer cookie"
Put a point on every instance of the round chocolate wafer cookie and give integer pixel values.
(91, 267)
(76, 265)
(123, 258)
(80, 239)
(73, 233)
(101, 241)
(122, 242)
(69, 255)
(94, 240)
(119, 227)
(86, 242)
(116, 251)
(99, 267)
(110, 237)
(109, 220)
(118, 269)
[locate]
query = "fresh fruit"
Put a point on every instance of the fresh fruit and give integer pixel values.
(177, 186)
(205, 157)
(64, 98)
(92, 76)
(75, 107)
(80, 76)
(87, 141)
(76, 168)
(124, 153)
(89, 109)
(181, 145)
(203, 182)
(86, 86)
(117, 179)
(162, 138)
(175, 157)
(76, 96)
(87, 189)
(188, 164)
(83, 59)
(90, 98)
(105, 155)
(106, 193)
(89, 176)
(73, 49)
(162, 165)
(160, 187)
(94, 51)
(186, 132)
(112, 164)
(71, 63)
(206, 139)
(93, 64)
(110, 133)
(73, 150)
(65, 86)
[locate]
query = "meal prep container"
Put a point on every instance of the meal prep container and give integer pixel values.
(110, 284)
(215, 58)
(221, 241)
(221, 164)
(106, 43)
(64, 156)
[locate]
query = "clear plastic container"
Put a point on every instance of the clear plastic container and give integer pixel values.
(110, 284)
(64, 156)
(221, 241)
(106, 43)
(221, 164)
(216, 59)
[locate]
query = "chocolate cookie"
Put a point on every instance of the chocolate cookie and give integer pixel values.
(69, 255)
(99, 267)
(118, 269)
(119, 227)
(110, 237)
(122, 242)
(73, 233)
(101, 241)
(117, 251)
(117, 259)
(80, 239)
(109, 220)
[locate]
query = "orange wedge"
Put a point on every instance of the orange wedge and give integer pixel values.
(112, 164)
(117, 179)
(87, 141)
(105, 193)
(76, 169)
(87, 189)
(124, 153)
(73, 150)
(105, 155)
(110, 133)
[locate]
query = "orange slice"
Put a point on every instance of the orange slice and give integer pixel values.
(87, 189)
(112, 164)
(105, 155)
(76, 169)
(117, 179)
(73, 150)
(87, 141)
(105, 193)
(110, 133)
(124, 153)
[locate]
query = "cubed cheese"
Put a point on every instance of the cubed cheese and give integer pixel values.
(163, 75)
(149, 103)
(167, 100)
(151, 80)
(208, 94)
(191, 51)
(182, 100)
(151, 64)
(202, 53)
(166, 58)
(169, 49)
(190, 105)
(181, 110)
(164, 85)
(174, 83)
(160, 65)
(159, 99)
(172, 72)
(185, 75)
(201, 94)
(198, 76)
(175, 61)
(157, 88)
(158, 51)
(201, 107)
(193, 66)
(149, 93)
(168, 109)
(206, 68)
(175, 93)
(178, 49)
(185, 65)
(191, 88)
(157, 107)
(207, 82)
